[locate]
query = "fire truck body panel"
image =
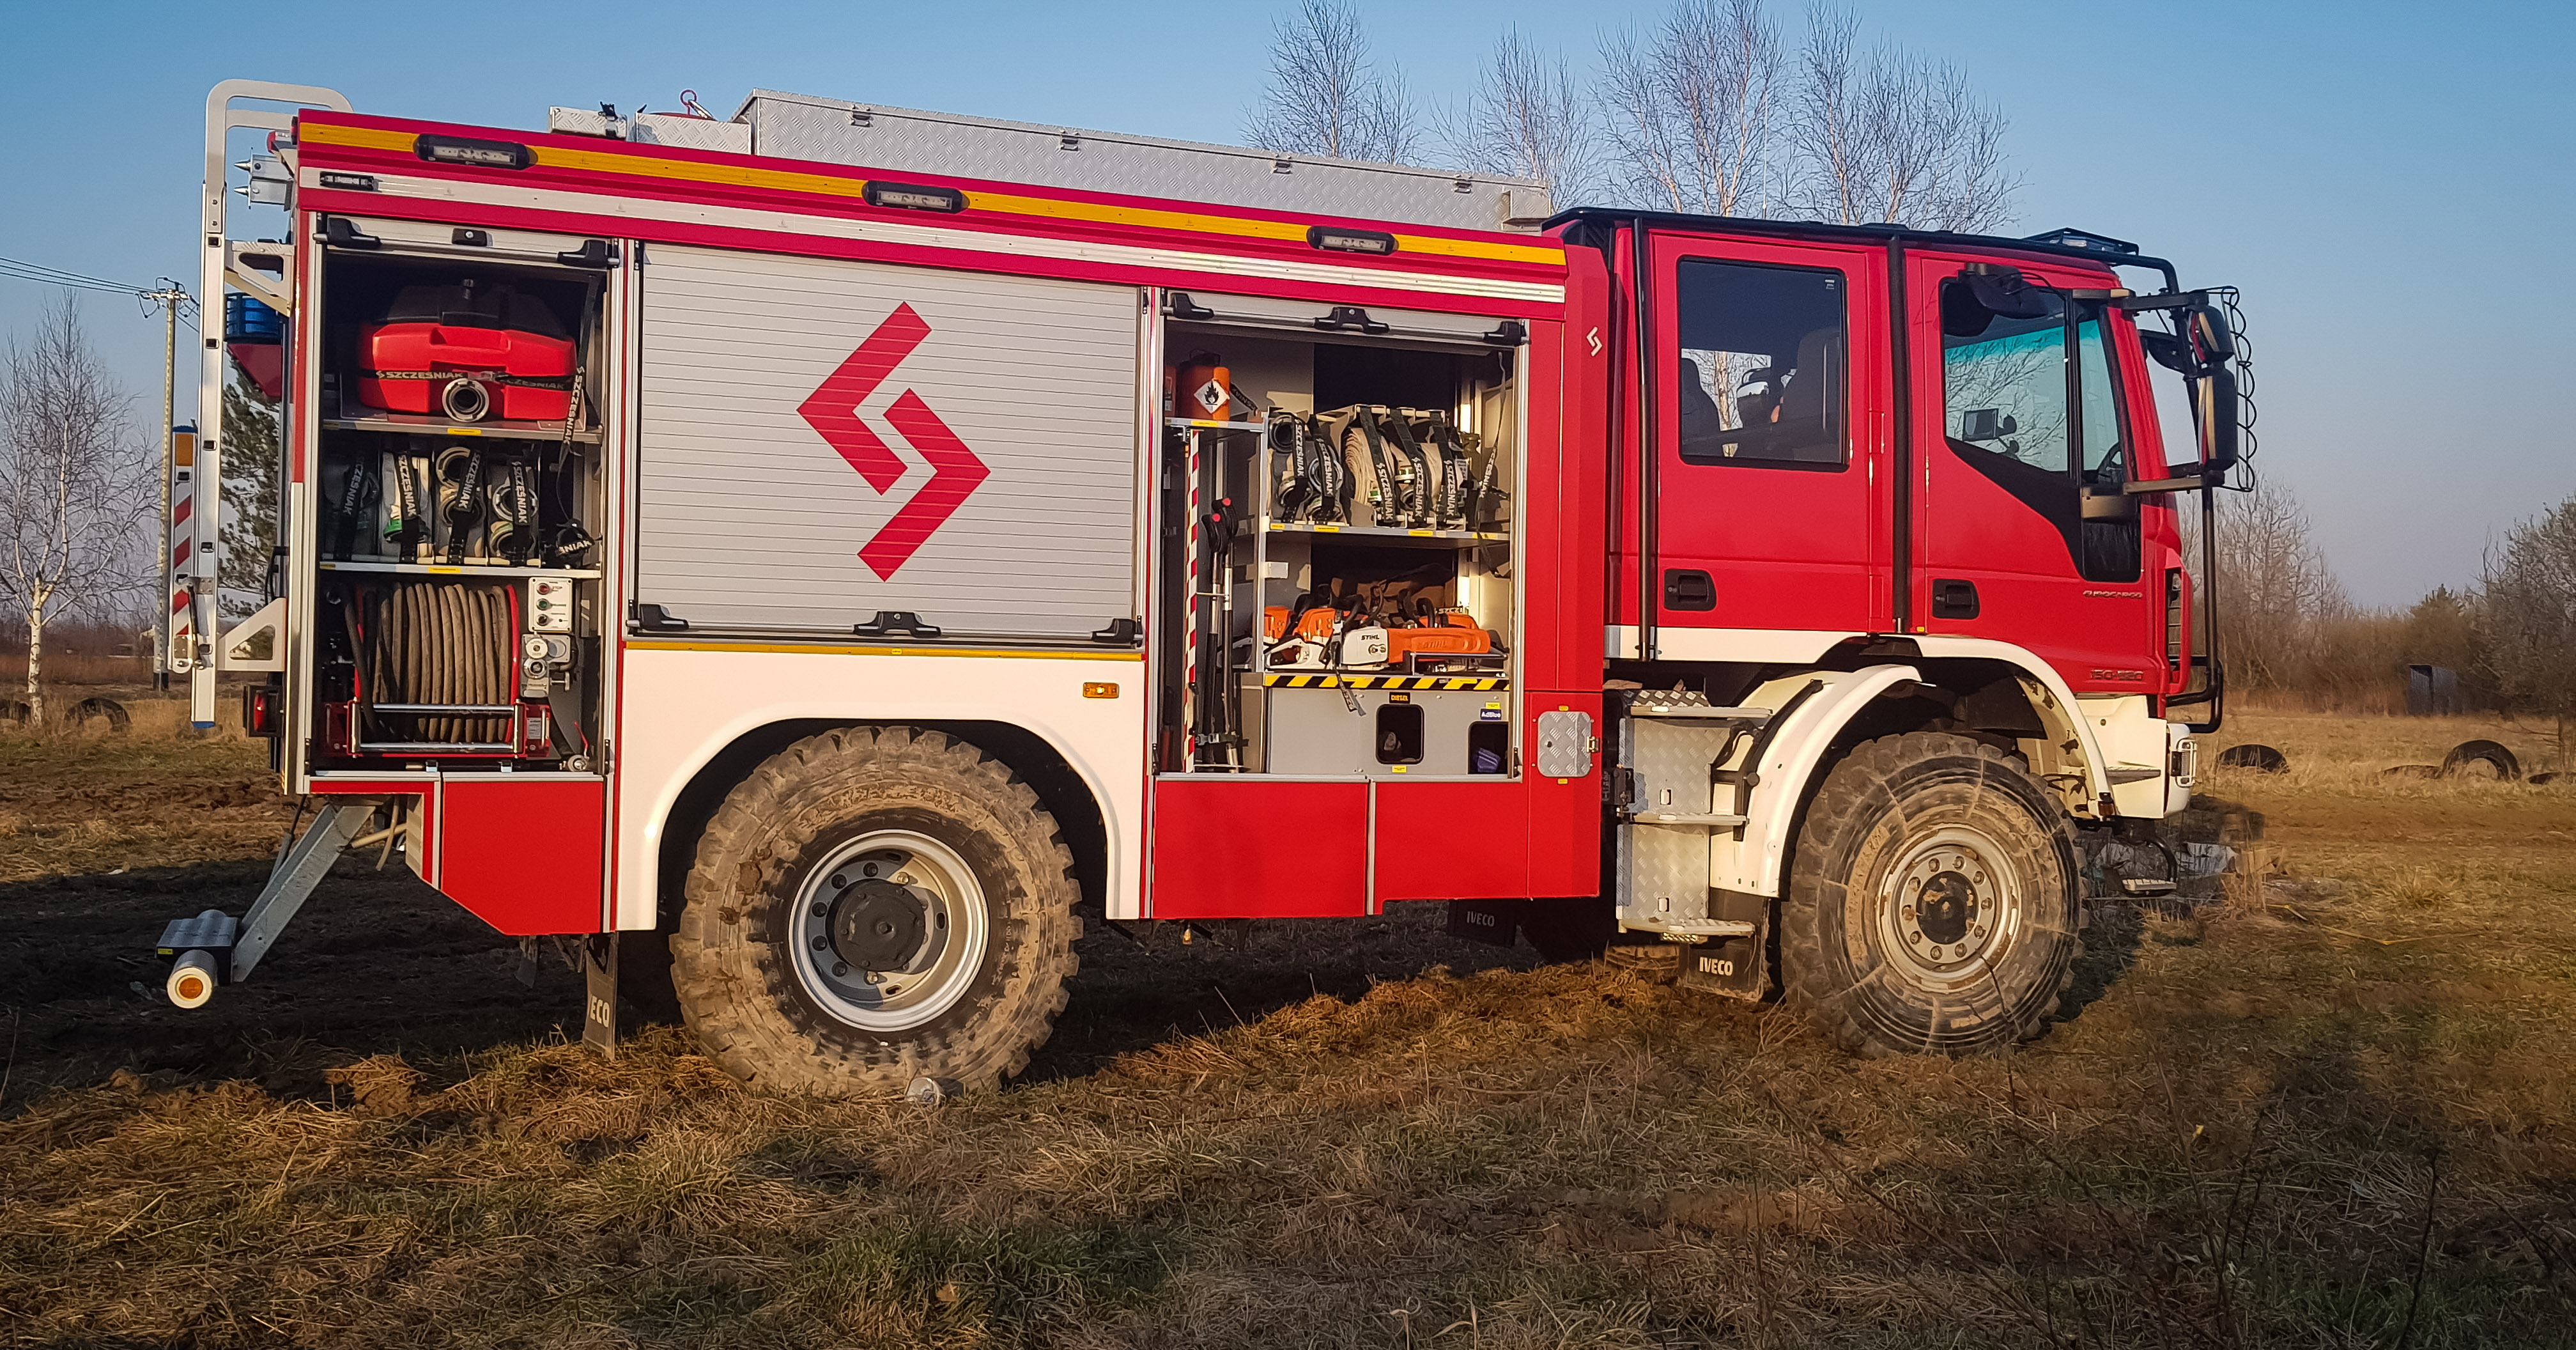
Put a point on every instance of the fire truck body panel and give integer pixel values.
(1787, 533)
(687, 703)
(2010, 529)
(1015, 515)
(670, 730)
(675, 195)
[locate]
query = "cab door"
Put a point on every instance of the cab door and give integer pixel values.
(1770, 482)
(2022, 446)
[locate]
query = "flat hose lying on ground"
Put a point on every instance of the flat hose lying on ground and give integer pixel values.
(444, 643)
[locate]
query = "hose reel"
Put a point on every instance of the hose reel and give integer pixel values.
(435, 659)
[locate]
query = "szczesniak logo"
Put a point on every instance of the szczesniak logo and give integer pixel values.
(833, 411)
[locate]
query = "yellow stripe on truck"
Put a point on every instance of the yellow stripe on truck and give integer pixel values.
(641, 165)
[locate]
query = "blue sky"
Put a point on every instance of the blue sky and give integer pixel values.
(2364, 171)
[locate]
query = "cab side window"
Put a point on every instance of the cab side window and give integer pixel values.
(2003, 378)
(2028, 401)
(1761, 371)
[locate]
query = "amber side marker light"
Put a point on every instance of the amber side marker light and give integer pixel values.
(914, 197)
(480, 154)
(1337, 240)
(1099, 689)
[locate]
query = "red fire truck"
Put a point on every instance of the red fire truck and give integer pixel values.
(815, 556)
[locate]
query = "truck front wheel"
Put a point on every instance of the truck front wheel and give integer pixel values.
(875, 905)
(1934, 900)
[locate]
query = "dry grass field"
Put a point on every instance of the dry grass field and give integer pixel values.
(2328, 1107)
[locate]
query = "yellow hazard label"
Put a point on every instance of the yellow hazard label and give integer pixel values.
(1281, 681)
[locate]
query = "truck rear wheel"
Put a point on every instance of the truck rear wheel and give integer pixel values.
(1934, 900)
(875, 905)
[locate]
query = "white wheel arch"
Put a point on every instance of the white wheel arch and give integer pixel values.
(1810, 722)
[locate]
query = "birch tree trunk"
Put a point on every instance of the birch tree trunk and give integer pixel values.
(36, 666)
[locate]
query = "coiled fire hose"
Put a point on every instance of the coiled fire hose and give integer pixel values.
(445, 643)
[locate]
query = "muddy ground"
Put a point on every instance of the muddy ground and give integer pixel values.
(103, 840)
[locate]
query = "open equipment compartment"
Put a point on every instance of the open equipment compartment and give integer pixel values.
(1336, 578)
(459, 494)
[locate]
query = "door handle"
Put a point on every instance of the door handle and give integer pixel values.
(1688, 588)
(1953, 598)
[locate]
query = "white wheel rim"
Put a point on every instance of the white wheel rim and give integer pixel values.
(929, 976)
(1949, 909)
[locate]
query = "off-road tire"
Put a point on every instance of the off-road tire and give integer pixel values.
(737, 979)
(2497, 757)
(1876, 824)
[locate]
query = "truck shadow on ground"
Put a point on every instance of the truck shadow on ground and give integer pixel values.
(378, 963)
(375, 963)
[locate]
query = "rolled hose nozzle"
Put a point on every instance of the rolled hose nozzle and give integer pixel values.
(192, 979)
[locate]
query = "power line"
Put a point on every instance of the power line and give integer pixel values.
(166, 292)
(55, 276)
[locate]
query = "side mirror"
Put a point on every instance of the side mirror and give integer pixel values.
(2214, 408)
(2213, 343)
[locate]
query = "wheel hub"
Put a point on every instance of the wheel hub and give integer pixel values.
(1947, 907)
(889, 930)
(878, 925)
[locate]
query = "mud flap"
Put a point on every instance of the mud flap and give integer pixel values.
(1737, 967)
(599, 975)
(1493, 921)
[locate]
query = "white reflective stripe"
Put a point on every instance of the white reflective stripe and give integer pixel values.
(934, 236)
(1766, 645)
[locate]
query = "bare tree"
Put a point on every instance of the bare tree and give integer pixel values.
(72, 486)
(1529, 117)
(1327, 97)
(1690, 107)
(2529, 616)
(2276, 592)
(1893, 138)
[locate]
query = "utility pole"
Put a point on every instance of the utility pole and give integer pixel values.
(170, 297)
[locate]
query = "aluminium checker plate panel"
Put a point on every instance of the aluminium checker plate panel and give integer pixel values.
(893, 140)
(1663, 870)
(984, 471)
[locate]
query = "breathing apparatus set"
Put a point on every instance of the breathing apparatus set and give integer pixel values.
(1411, 469)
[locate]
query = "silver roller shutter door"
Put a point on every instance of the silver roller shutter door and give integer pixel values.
(750, 518)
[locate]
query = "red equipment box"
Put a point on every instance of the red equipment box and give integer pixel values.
(447, 350)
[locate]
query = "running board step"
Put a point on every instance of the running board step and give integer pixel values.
(1698, 712)
(1692, 930)
(1714, 820)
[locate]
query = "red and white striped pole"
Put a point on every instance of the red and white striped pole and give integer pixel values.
(179, 549)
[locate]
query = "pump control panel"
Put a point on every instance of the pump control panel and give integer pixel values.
(549, 605)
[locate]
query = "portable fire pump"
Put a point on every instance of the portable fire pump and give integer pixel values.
(813, 557)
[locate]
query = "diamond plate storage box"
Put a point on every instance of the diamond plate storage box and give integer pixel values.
(798, 126)
(1671, 746)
